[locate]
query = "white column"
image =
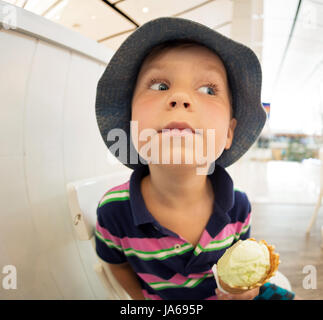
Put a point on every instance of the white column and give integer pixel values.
(247, 24)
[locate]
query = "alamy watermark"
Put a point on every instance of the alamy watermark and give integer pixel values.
(9, 281)
(310, 280)
(8, 15)
(160, 147)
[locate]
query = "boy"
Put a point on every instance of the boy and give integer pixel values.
(162, 231)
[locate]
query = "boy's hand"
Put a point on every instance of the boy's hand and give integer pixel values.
(248, 295)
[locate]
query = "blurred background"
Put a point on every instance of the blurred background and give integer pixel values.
(53, 52)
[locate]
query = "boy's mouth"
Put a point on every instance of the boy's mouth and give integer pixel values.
(179, 126)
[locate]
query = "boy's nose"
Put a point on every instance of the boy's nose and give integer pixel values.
(179, 100)
(176, 103)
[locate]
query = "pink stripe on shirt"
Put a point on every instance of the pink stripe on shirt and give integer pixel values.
(121, 187)
(228, 230)
(177, 278)
(124, 186)
(141, 244)
(149, 244)
(150, 296)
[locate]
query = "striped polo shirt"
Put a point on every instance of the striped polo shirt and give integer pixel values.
(168, 266)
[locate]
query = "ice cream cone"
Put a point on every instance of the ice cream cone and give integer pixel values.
(274, 262)
(229, 289)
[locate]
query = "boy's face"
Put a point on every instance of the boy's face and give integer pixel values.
(184, 84)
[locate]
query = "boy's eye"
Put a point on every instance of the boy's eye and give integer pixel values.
(159, 86)
(207, 89)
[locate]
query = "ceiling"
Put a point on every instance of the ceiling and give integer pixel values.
(287, 37)
(110, 22)
(293, 64)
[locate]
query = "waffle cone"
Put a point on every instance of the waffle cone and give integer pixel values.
(274, 262)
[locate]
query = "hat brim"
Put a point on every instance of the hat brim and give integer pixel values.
(116, 85)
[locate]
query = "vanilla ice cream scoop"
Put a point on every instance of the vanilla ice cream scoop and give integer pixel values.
(246, 264)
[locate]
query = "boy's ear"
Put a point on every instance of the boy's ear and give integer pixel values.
(232, 126)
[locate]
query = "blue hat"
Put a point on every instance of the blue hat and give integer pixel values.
(115, 87)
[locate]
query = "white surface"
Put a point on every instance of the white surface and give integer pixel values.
(283, 182)
(98, 21)
(213, 15)
(301, 74)
(106, 23)
(41, 28)
(280, 280)
(84, 197)
(49, 137)
(90, 191)
(156, 8)
(245, 28)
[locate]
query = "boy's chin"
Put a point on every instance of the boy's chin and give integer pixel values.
(200, 167)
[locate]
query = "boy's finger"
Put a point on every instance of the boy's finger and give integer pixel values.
(248, 295)
(223, 296)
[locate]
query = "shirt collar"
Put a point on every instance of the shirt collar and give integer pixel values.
(139, 210)
(222, 186)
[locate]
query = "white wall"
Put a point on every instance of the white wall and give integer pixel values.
(48, 137)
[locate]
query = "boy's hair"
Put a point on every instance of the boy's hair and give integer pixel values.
(185, 43)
